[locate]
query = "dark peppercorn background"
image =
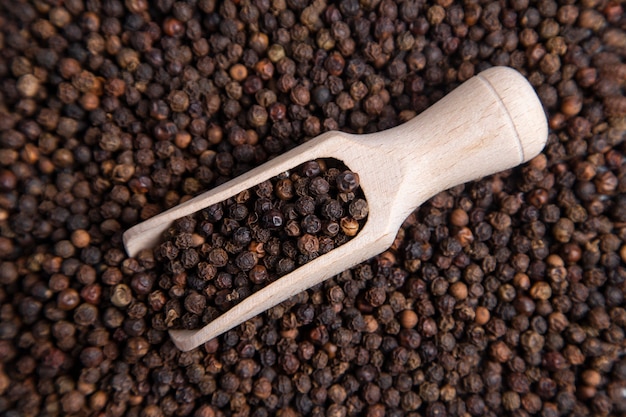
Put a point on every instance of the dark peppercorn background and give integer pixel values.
(503, 296)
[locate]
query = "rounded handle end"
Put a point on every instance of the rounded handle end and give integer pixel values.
(523, 106)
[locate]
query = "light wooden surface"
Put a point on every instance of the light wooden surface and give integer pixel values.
(491, 123)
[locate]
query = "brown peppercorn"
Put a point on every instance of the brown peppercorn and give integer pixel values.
(408, 319)
(541, 291)
(459, 290)
(262, 388)
(501, 352)
(128, 59)
(259, 42)
(459, 218)
(121, 295)
(98, 400)
(85, 314)
(482, 316)
(173, 27)
(349, 226)
(308, 244)
(72, 401)
(591, 377)
(265, 69)
(80, 238)
(68, 299)
(28, 85)
(511, 401)
(300, 95)
(178, 101)
(599, 318)
(195, 303)
(91, 293)
(258, 274)
(276, 53)
(136, 348)
(238, 72)
(571, 105)
(257, 116)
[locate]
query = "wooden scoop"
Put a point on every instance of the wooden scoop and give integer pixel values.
(491, 123)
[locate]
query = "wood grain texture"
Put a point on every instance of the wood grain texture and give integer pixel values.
(491, 123)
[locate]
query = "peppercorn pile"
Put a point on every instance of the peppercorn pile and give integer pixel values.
(220, 255)
(505, 295)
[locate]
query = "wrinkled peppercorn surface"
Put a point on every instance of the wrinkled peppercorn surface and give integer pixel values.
(218, 256)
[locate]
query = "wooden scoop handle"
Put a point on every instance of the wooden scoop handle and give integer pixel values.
(491, 123)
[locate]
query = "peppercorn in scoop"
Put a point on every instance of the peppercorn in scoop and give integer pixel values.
(218, 256)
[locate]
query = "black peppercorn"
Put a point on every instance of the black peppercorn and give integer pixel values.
(272, 218)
